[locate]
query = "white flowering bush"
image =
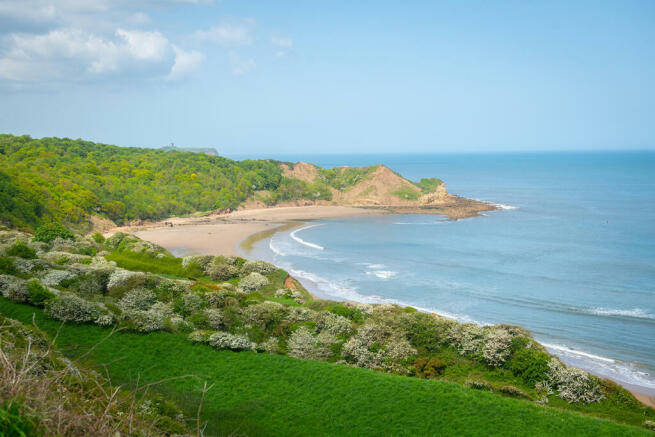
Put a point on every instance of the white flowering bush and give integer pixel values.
(271, 346)
(264, 314)
(17, 292)
(53, 278)
(121, 279)
(219, 299)
(138, 299)
(467, 338)
(221, 272)
(496, 347)
(65, 258)
(94, 281)
(333, 323)
(291, 294)
(573, 385)
(68, 307)
(253, 282)
(303, 344)
(144, 321)
(214, 317)
(225, 340)
(164, 309)
(261, 267)
(105, 320)
(300, 314)
(191, 303)
(378, 347)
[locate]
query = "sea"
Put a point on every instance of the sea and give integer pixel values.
(569, 254)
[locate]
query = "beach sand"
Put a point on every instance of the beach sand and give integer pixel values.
(222, 234)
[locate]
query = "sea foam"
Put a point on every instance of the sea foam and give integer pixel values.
(303, 242)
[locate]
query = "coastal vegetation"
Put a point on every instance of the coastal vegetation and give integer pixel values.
(209, 305)
(60, 180)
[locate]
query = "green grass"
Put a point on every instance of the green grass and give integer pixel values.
(428, 185)
(168, 265)
(407, 193)
(260, 394)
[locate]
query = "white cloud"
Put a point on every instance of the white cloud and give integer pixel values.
(185, 63)
(72, 54)
(283, 42)
(228, 34)
(241, 66)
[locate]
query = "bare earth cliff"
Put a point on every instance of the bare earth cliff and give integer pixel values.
(381, 188)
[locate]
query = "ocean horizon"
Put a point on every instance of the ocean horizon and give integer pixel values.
(569, 254)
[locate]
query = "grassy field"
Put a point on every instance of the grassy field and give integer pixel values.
(261, 394)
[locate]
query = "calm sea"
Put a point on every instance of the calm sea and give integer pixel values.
(570, 255)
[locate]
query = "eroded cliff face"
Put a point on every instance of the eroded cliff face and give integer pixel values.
(439, 197)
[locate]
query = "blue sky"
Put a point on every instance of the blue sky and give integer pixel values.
(265, 77)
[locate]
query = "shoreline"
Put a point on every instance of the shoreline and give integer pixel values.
(235, 234)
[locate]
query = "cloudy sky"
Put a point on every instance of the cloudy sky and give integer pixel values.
(269, 77)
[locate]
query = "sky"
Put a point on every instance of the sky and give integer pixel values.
(274, 77)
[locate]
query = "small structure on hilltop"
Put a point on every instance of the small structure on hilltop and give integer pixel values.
(211, 151)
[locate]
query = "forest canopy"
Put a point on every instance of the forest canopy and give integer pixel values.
(65, 180)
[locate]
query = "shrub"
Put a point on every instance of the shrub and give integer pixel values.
(573, 385)
(199, 320)
(214, 317)
(221, 272)
(94, 282)
(426, 331)
(105, 320)
(200, 260)
(528, 361)
(352, 313)
(261, 267)
(138, 299)
(199, 336)
(649, 424)
(38, 294)
(189, 303)
(7, 266)
(21, 249)
(429, 367)
(122, 280)
(253, 282)
(68, 307)
(478, 385)
(496, 347)
(225, 340)
(302, 344)
(178, 324)
(332, 323)
(98, 237)
(54, 278)
(264, 315)
(219, 299)
(49, 231)
(271, 346)
(144, 321)
(17, 292)
(467, 338)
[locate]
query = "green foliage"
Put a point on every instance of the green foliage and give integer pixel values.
(294, 189)
(354, 314)
(98, 237)
(38, 293)
(145, 262)
(262, 394)
(428, 185)
(7, 266)
(66, 180)
(49, 231)
(407, 193)
(13, 423)
(344, 177)
(530, 363)
(21, 249)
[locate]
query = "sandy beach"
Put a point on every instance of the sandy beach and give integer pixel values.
(222, 234)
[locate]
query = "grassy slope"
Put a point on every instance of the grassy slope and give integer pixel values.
(260, 394)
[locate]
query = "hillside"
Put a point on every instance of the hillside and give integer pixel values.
(82, 184)
(284, 363)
